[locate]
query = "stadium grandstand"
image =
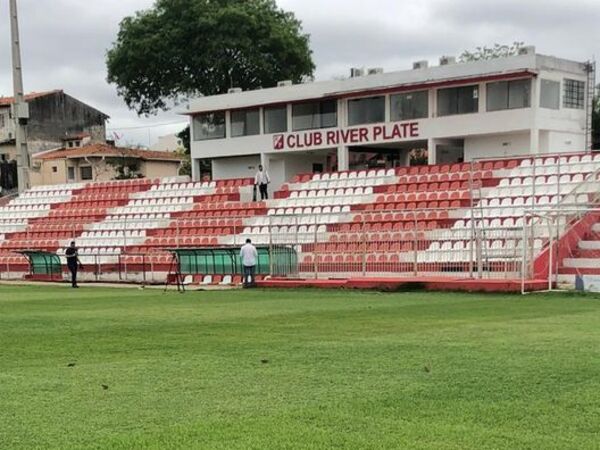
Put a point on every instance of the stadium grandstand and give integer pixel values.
(351, 203)
(480, 220)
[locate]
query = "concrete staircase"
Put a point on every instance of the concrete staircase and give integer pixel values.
(585, 257)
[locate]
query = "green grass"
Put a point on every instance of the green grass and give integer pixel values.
(345, 370)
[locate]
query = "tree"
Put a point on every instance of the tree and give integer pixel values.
(497, 51)
(182, 48)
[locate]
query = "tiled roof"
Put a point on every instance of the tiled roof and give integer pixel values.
(7, 101)
(99, 150)
(76, 137)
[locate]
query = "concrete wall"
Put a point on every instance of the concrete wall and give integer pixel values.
(498, 145)
(159, 169)
(237, 167)
(282, 168)
(54, 116)
(168, 143)
(42, 172)
(564, 142)
(7, 125)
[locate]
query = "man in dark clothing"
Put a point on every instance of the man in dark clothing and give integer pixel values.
(73, 262)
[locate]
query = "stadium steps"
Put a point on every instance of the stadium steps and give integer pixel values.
(585, 258)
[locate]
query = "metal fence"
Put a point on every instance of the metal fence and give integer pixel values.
(457, 243)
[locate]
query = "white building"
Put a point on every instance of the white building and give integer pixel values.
(522, 104)
(167, 143)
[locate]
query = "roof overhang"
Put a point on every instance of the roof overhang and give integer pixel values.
(386, 89)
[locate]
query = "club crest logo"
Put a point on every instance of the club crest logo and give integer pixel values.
(278, 142)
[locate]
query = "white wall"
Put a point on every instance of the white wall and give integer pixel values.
(283, 167)
(237, 167)
(168, 143)
(497, 145)
(564, 142)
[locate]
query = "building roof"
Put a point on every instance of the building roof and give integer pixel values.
(76, 137)
(521, 65)
(104, 150)
(7, 101)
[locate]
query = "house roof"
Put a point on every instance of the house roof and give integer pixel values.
(103, 150)
(7, 101)
(76, 137)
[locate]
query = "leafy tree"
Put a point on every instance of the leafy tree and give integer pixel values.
(182, 48)
(184, 135)
(497, 51)
(126, 167)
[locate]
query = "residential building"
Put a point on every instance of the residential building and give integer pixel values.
(100, 162)
(53, 116)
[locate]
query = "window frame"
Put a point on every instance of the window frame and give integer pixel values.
(321, 114)
(569, 101)
(211, 138)
(81, 168)
(475, 89)
(272, 108)
(359, 99)
(398, 94)
(244, 111)
(508, 84)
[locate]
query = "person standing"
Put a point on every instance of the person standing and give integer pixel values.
(73, 263)
(249, 257)
(262, 180)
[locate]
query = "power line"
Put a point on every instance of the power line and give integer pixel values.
(141, 127)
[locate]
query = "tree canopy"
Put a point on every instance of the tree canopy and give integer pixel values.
(181, 48)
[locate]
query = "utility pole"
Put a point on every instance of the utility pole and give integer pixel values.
(590, 69)
(20, 109)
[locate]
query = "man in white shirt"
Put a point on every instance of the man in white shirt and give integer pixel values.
(249, 257)
(262, 180)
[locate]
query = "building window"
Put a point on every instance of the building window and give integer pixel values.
(245, 122)
(574, 94)
(306, 116)
(366, 110)
(508, 95)
(459, 100)
(71, 173)
(54, 169)
(550, 94)
(2, 120)
(410, 105)
(86, 173)
(276, 120)
(209, 126)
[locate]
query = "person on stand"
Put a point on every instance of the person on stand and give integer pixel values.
(262, 180)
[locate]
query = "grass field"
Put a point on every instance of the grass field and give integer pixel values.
(133, 369)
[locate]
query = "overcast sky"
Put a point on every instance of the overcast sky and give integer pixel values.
(64, 41)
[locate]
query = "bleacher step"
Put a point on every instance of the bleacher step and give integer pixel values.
(582, 263)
